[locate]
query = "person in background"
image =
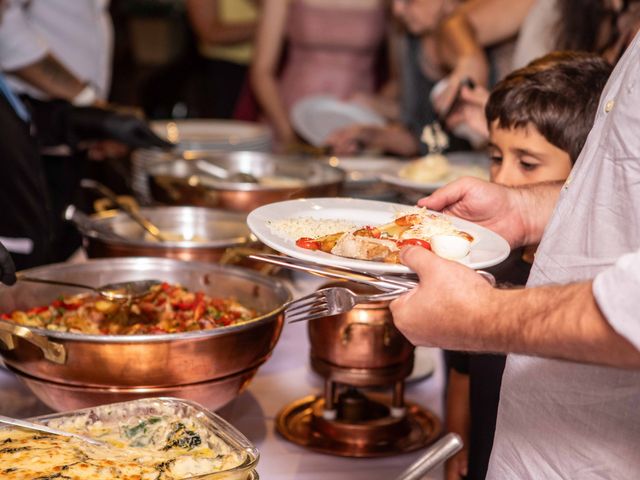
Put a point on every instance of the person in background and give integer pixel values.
(424, 64)
(418, 71)
(539, 118)
(27, 223)
(464, 35)
(604, 27)
(58, 49)
(332, 47)
(225, 30)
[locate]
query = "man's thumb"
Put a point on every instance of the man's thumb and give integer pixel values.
(418, 259)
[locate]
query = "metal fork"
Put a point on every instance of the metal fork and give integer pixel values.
(332, 301)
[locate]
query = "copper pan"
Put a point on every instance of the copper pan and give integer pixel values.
(218, 232)
(144, 360)
(363, 338)
(175, 180)
(213, 394)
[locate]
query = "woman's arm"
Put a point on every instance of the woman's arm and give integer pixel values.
(269, 41)
(205, 20)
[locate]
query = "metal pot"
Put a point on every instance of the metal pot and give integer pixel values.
(176, 180)
(144, 360)
(364, 338)
(219, 231)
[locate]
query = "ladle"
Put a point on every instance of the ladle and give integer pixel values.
(45, 429)
(135, 216)
(113, 291)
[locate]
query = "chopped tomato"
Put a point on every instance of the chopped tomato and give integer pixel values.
(308, 243)
(414, 241)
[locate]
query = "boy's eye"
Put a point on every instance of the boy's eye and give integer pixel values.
(528, 166)
(496, 159)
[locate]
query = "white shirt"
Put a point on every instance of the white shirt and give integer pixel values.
(565, 420)
(79, 33)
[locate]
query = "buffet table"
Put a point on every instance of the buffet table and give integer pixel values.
(285, 377)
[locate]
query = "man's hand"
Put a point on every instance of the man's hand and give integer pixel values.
(488, 204)
(444, 309)
(468, 115)
(7, 268)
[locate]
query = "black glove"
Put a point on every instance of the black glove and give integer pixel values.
(91, 123)
(7, 268)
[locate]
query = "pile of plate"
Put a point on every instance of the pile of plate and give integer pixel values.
(203, 135)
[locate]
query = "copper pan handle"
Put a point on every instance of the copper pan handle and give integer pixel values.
(345, 333)
(54, 352)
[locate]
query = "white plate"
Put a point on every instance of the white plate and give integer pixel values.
(488, 248)
(460, 162)
(317, 116)
(366, 169)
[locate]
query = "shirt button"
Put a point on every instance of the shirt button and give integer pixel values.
(609, 106)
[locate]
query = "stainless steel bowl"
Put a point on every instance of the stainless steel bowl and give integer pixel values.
(153, 361)
(176, 180)
(216, 230)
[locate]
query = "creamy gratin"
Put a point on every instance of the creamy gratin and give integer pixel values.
(157, 446)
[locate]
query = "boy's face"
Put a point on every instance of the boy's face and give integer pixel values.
(520, 156)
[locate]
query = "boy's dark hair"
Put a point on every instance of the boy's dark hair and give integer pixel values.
(557, 93)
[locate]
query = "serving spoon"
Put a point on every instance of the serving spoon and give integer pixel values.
(135, 216)
(45, 429)
(113, 291)
(221, 173)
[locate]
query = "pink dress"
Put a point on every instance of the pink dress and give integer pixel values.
(331, 50)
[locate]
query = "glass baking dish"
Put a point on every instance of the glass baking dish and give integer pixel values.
(123, 414)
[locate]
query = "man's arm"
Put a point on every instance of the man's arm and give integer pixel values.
(52, 77)
(519, 214)
(562, 322)
(25, 54)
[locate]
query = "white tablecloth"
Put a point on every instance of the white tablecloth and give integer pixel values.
(285, 377)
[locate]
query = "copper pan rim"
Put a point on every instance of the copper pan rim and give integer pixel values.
(269, 282)
(126, 389)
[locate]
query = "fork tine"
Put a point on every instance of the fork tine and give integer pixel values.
(305, 303)
(308, 311)
(308, 317)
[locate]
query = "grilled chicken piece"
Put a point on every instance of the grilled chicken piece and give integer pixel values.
(364, 248)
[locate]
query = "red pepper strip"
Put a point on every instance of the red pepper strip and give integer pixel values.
(200, 306)
(414, 241)
(37, 310)
(308, 243)
(4, 316)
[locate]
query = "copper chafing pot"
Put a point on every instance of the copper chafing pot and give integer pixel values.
(361, 347)
(214, 233)
(152, 362)
(177, 180)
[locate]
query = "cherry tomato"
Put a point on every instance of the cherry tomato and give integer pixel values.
(308, 243)
(414, 241)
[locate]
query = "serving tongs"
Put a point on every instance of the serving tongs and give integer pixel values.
(386, 283)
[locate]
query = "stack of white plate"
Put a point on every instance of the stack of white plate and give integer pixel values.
(204, 135)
